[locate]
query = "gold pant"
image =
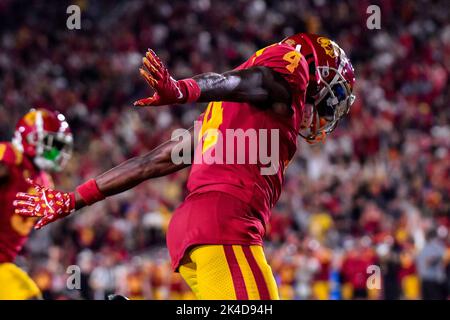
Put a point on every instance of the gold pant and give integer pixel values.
(15, 284)
(229, 272)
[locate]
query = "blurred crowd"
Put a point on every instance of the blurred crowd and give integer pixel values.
(364, 215)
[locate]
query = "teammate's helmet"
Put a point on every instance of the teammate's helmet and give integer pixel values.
(45, 137)
(330, 91)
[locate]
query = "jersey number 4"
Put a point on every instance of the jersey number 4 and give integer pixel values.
(212, 119)
(293, 57)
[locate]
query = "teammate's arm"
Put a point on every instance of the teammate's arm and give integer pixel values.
(258, 85)
(5, 159)
(51, 204)
(4, 173)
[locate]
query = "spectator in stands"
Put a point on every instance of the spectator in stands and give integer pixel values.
(431, 268)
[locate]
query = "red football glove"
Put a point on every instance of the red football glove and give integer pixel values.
(47, 203)
(167, 89)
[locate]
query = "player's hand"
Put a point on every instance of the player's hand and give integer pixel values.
(167, 89)
(48, 204)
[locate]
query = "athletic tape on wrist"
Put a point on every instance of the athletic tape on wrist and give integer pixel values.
(191, 89)
(90, 192)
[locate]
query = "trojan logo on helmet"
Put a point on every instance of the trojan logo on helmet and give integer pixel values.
(329, 46)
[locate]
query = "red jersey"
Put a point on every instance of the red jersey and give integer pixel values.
(245, 181)
(218, 222)
(14, 229)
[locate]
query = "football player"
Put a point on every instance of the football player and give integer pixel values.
(42, 143)
(301, 85)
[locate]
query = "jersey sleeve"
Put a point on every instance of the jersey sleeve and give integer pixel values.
(286, 61)
(9, 155)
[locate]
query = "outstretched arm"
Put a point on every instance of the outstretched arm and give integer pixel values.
(258, 85)
(51, 205)
(128, 174)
